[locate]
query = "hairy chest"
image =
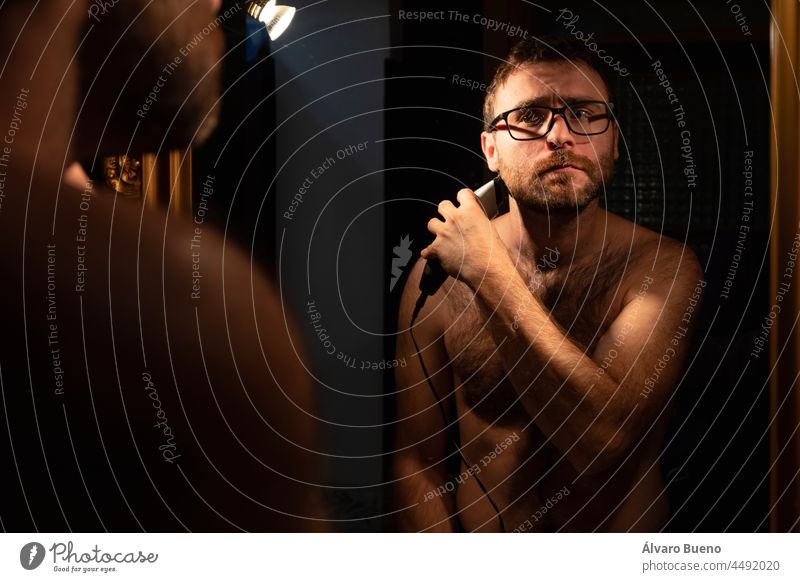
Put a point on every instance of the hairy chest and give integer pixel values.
(582, 299)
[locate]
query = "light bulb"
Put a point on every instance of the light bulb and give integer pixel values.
(275, 18)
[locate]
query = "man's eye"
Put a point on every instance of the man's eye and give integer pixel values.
(532, 116)
(580, 113)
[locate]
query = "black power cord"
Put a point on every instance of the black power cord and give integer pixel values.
(417, 308)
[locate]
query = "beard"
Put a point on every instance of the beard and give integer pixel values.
(536, 187)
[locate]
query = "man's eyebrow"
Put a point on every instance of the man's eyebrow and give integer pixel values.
(544, 100)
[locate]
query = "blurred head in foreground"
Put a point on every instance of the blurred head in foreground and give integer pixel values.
(151, 380)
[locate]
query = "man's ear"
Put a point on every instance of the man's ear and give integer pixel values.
(616, 141)
(490, 150)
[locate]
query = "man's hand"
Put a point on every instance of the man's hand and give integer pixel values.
(467, 244)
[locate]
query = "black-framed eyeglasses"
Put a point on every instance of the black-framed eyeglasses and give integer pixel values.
(535, 121)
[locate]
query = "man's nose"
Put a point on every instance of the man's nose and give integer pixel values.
(560, 135)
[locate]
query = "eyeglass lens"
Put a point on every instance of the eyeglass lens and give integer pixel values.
(583, 119)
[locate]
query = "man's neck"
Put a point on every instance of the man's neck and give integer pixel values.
(537, 235)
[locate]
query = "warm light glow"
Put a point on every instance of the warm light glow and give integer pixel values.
(275, 18)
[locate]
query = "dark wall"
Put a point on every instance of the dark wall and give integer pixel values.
(240, 154)
(329, 225)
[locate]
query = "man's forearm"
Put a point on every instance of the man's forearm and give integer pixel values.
(571, 400)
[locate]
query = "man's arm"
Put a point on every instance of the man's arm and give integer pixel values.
(595, 407)
(419, 463)
(594, 414)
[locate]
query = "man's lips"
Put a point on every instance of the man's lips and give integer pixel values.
(565, 168)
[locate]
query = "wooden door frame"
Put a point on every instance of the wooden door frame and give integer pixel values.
(784, 349)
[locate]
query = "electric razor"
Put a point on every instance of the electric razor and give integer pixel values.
(491, 196)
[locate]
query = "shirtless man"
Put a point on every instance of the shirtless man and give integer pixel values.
(558, 341)
(129, 402)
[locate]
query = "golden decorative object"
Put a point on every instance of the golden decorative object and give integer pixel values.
(161, 180)
(123, 174)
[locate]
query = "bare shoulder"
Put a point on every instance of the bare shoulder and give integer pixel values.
(434, 313)
(662, 262)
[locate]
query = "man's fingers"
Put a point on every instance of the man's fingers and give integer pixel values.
(466, 197)
(435, 226)
(445, 208)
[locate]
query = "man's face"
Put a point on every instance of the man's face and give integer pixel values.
(149, 71)
(561, 171)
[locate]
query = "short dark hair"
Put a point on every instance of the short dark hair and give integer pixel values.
(544, 49)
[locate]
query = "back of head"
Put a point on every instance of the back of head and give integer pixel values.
(150, 75)
(134, 394)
